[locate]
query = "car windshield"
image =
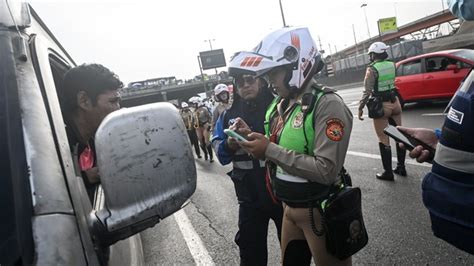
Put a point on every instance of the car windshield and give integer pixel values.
(466, 54)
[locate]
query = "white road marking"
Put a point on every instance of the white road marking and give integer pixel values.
(352, 104)
(434, 114)
(193, 241)
(376, 156)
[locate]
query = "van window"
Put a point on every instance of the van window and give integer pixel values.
(409, 68)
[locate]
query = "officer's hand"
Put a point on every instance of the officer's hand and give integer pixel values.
(424, 135)
(361, 112)
(232, 144)
(256, 145)
(240, 127)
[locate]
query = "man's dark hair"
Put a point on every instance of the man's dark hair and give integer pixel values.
(93, 79)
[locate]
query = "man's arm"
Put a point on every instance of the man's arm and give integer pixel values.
(369, 84)
(220, 143)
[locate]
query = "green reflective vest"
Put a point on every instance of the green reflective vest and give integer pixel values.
(386, 75)
(292, 136)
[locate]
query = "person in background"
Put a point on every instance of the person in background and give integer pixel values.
(307, 132)
(91, 92)
(380, 82)
(187, 115)
(222, 96)
(256, 207)
(202, 123)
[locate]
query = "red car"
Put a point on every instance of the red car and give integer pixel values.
(434, 75)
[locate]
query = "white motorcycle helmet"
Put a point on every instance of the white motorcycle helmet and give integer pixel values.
(291, 46)
(378, 48)
(194, 100)
(220, 88)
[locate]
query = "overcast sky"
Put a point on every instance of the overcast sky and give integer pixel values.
(144, 39)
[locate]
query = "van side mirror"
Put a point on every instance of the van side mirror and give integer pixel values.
(146, 167)
(453, 67)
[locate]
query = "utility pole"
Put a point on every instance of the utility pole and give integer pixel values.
(282, 15)
(355, 40)
(320, 45)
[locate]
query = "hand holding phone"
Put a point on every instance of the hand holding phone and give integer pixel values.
(408, 141)
(235, 135)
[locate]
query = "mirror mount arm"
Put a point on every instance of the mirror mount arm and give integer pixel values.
(106, 238)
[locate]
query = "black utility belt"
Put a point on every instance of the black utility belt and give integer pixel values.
(299, 195)
(388, 96)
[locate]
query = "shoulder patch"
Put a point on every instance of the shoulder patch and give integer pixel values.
(334, 129)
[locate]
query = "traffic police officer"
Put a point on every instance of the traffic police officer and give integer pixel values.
(188, 116)
(380, 82)
(448, 189)
(256, 207)
(307, 135)
(222, 96)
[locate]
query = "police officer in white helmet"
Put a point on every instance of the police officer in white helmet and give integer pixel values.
(221, 96)
(379, 85)
(307, 135)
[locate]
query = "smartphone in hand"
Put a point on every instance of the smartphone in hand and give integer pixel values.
(407, 140)
(235, 135)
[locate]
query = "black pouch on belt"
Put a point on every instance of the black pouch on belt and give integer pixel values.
(343, 223)
(375, 107)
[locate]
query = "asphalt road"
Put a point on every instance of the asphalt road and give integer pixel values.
(397, 222)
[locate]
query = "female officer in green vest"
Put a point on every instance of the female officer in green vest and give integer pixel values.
(307, 135)
(380, 81)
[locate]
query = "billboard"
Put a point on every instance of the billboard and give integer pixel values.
(387, 25)
(212, 59)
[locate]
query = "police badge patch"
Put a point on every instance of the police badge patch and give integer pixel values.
(298, 121)
(334, 129)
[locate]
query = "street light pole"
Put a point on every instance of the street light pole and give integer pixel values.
(355, 40)
(366, 21)
(210, 42)
(282, 15)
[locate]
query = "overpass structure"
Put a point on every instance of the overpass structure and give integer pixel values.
(418, 28)
(159, 93)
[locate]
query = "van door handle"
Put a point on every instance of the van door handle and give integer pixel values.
(429, 77)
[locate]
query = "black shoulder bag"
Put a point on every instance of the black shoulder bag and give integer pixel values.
(342, 220)
(375, 107)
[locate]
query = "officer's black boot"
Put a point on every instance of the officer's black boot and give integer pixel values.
(204, 149)
(400, 169)
(196, 149)
(211, 155)
(386, 154)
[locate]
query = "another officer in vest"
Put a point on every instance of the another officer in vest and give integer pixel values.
(380, 81)
(448, 190)
(256, 207)
(307, 135)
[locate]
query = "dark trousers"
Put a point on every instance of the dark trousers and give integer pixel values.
(194, 141)
(253, 229)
